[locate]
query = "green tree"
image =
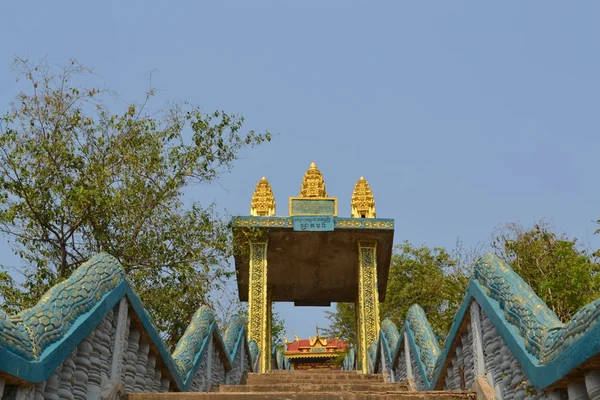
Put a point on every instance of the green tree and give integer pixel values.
(558, 269)
(432, 278)
(342, 323)
(77, 179)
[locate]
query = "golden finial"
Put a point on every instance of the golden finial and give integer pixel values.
(285, 339)
(363, 202)
(295, 337)
(263, 201)
(313, 184)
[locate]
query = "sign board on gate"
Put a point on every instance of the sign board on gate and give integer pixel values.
(318, 224)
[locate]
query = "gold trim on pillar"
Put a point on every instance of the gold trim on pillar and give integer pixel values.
(368, 302)
(258, 306)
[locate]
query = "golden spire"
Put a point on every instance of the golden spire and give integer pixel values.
(363, 202)
(295, 337)
(313, 184)
(263, 201)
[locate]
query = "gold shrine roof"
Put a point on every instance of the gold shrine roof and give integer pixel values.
(363, 201)
(263, 201)
(313, 184)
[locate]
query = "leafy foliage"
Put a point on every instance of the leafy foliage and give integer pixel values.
(77, 179)
(342, 323)
(432, 278)
(562, 273)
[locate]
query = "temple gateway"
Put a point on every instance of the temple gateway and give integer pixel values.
(312, 257)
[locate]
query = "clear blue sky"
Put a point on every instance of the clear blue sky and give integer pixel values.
(461, 115)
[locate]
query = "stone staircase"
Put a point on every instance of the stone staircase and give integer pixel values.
(305, 385)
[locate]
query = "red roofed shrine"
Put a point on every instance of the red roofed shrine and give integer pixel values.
(315, 353)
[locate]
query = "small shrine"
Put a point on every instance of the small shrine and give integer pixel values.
(315, 352)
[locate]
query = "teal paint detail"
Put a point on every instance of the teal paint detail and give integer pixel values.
(522, 307)
(586, 319)
(254, 351)
(349, 363)
(318, 224)
(288, 222)
(55, 314)
(233, 334)
(425, 340)
(14, 336)
(193, 340)
(546, 349)
(313, 207)
(390, 339)
(84, 316)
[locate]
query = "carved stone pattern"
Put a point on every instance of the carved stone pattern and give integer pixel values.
(419, 382)
(25, 392)
(368, 296)
(65, 388)
(469, 366)
(263, 201)
(192, 340)
(510, 382)
(133, 343)
(51, 390)
(257, 296)
(372, 355)
(95, 370)
(238, 367)
(289, 222)
(217, 373)
(82, 366)
(125, 352)
(400, 367)
(200, 379)
(460, 373)
(150, 371)
(156, 383)
(425, 339)
(234, 328)
(254, 353)
(140, 367)
(390, 344)
(39, 391)
(105, 344)
(165, 385)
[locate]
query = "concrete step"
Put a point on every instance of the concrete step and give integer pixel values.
(312, 387)
(266, 379)
(399, 395)
(313, 371)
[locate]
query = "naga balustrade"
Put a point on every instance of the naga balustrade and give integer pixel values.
(90, 337)
(505, 343)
